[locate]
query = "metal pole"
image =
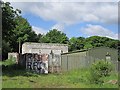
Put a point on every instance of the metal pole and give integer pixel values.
(19, 45)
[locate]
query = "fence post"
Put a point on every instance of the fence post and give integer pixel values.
(61, 63)
(51, 54)
(67, 62)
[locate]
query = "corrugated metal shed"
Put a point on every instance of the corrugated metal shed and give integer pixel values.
(84, 58)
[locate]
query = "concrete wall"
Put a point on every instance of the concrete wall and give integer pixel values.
(14, 56)
(37, 63)
(44, 48)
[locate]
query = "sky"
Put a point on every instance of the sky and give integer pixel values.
(75, 19)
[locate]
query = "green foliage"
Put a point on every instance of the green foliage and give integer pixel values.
(8, 62)
(72, 79)
(8, 24)
(44, 39)
(76, 43)
(88, 45)
(14, 29)
(99, 70)
(5, 48)
(22, 33)
(8, 20)
(55, 36)
(14, 77)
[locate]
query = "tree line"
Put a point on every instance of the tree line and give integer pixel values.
(17, 29)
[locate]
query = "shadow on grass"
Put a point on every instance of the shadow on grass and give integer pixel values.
(16, 70)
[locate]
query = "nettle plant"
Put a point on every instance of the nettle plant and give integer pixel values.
(100, 69)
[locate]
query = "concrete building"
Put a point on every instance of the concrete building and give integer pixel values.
(44, 48)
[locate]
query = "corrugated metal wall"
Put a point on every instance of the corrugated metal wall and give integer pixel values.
(73, 61)
(100, 53)
(83, 59)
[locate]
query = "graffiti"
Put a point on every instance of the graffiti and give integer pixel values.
(37, 63)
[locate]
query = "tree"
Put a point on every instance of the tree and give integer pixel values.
(8, 24)
(72, 44)
(97, 41)
(22, 33)
(94, 41)
(8, 20)
(39, 38)
(44, 39)
(76, 43)
(55, 36)
(15, 29)
(81, 41)
(87, 45)
(112, 44)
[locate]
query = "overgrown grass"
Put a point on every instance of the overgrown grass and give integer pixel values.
(20, 78)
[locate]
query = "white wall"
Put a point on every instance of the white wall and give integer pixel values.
(44, 48)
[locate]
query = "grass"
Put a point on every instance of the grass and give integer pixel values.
(20, 78)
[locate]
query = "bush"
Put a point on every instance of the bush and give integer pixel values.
(99, 70)
(10, 64)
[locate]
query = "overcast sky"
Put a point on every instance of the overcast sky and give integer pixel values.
(73, 18)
